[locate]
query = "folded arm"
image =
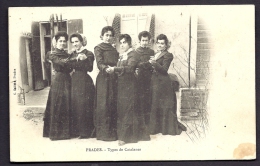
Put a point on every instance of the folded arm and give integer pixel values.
(167, 59)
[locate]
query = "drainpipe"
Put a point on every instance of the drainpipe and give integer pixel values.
(189, 50)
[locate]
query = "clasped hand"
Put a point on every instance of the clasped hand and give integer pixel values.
(81, 57)
(110, 70)
(152, 60)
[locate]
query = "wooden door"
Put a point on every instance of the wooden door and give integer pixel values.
(23, 64)
(36, 57)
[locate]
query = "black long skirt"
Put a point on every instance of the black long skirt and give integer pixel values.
(105, 114)
(163, 117)
(82, 105)
(57, 113)
(131, 125)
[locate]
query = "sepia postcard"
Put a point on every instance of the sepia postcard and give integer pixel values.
(200, 94)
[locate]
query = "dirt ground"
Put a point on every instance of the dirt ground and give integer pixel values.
(33, 147)
(217, 142)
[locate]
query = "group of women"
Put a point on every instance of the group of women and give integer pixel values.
(112, 110)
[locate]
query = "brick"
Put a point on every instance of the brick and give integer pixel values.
(203, 83)
(188, 118)
(201, 20)
(207, 39)
(192, 97)
(202, 27)
(182, 110)
(203, 51)
(193, 91)
(203, 57)
(202, 76)
(193, 101)
(194, 104)
(187, 104)
(205, 46)
(203, 71)
(189, 114)
(185, 92)
(202, 64)
(204, 33)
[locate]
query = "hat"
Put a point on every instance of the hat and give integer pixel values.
(84, 43)
(54, 43)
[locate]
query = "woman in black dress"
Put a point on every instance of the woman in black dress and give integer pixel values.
(82, 89)
(163, 118)
(106, 88)
(57, 113)
(130, 122)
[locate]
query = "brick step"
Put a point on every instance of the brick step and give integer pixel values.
(182, 110)
(192, 114)
(203, 84)
(194, 104)
(189, 92)
(193, 99)
(190, 118)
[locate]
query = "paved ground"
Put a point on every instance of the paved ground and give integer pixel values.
(36, 98)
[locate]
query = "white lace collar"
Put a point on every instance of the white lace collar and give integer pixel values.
(81, 49)
(129, 50)
(124, 55)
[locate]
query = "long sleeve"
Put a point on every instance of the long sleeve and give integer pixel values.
(144, 63)
(90, 61)
(47, 56)
(100, 59)
(132, 62)
(55, 59)
(60, 64)
(167, 59)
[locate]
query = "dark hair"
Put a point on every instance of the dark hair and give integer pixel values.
(76, 35)
(61, 34)
(163, 37)
(127, 38)
(106, 29)
(144, 34)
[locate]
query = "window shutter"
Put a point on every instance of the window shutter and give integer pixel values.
(152, 28)
(116, 25)
(36, 57)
